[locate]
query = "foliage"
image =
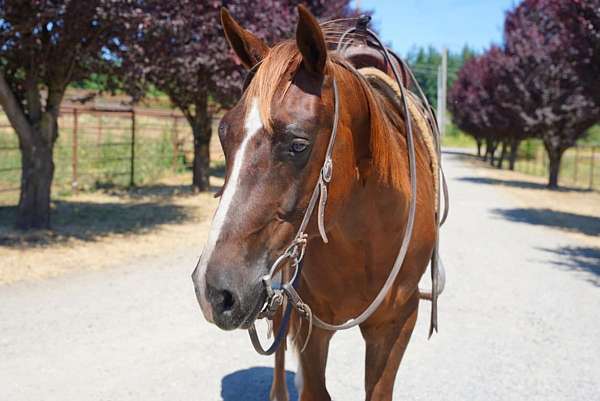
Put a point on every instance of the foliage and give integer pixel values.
(577, 23)
(549, 95)
(179, 47)
(592, 136)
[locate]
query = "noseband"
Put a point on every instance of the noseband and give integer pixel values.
(286, 293)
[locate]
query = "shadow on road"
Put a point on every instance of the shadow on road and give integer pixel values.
(580, 259)
(158, 191)
(516, 184)
(588, 225)
(462, 152)
(253, 384)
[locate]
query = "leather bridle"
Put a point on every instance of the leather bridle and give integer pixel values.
(286, 293)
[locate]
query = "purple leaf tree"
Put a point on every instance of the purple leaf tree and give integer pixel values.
(179, 47)
(551, 97)
(44, 46)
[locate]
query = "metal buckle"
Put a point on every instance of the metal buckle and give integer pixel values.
(327, 170)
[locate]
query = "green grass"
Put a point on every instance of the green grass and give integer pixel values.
(103, 156)
(455, 138)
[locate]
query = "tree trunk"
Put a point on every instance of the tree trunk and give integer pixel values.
(37, 132)
(514, 148)
(502, 154)
(202, 130)
(478, 147)
(488, 146)
(491, 148)
(37, 172)
(554, 158)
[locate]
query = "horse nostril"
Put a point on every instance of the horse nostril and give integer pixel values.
(227, 301)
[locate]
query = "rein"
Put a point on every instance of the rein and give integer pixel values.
(286, 293)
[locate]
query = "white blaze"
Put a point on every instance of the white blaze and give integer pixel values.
(252, 126)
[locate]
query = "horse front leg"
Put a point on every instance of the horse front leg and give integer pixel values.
(279, 387)
(386, 335)
(310, 378)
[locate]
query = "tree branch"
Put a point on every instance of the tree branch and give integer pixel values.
(32, 96)
(14, 112)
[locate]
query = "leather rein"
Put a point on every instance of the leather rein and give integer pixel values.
(285, 294)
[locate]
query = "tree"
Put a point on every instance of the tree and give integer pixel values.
(45, 45)
(550, 97)
(476, 107)
(179, 47)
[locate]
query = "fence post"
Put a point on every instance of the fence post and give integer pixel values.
(592, 168)
(575, 172)
(132, 156)
(175, 144)
(544, 162)
(99, 128)
(74, 144)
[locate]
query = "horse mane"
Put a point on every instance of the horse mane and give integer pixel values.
(277, 69)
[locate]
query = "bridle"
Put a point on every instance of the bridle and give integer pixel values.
(286, 293)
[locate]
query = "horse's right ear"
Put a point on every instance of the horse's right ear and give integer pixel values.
(311, 42)
(249, 48)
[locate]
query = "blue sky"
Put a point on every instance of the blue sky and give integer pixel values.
(450, 23)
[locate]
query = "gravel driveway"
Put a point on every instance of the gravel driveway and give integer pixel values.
(520, 320)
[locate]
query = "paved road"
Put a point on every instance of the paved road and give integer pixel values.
(519, 321)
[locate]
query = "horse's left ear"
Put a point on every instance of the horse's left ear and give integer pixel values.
(311, 42)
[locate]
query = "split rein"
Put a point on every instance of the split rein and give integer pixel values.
(285, 293)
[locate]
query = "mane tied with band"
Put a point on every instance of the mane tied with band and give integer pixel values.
(340, 35)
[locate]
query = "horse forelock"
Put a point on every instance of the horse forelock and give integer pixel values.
(275, 70)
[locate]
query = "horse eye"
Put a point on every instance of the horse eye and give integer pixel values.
(298, 145)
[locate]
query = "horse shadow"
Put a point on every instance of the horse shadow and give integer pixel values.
(253, 384)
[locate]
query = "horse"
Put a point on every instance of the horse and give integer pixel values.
(275, 141)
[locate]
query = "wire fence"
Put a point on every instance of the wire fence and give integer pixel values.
(580, 165)
(103, 147)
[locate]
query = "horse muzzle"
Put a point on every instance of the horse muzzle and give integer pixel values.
(227, 302)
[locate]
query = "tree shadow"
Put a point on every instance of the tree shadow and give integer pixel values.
(517, 184)
(588, 225)
(461, 153)
(87, 221)
(580, 259)
(253, 384)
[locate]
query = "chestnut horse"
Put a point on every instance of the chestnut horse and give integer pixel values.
(275, 140)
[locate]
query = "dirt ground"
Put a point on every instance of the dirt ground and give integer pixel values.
(575, 211)
(102, 229)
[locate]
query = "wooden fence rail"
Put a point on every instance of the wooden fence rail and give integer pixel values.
(100, 147)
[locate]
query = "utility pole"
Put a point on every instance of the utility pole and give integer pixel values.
(442, 88)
